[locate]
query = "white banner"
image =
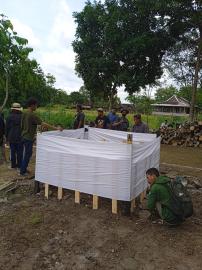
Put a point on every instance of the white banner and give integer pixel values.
(96, 162)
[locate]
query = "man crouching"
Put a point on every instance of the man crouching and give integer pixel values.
(159, 198)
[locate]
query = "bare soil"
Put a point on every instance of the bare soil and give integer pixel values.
(47, 234)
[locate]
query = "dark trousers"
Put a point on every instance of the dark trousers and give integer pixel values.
(27, 153)
(16, 152)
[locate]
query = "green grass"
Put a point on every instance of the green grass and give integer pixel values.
(65, 117)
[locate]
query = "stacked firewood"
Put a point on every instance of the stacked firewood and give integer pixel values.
(186, 134)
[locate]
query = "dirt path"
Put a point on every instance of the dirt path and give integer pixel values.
(39, 234)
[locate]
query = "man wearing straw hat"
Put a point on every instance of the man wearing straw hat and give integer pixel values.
(13, 135)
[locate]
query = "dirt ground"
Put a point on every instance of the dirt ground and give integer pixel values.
(36, 233)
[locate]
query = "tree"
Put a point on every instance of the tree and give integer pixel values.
(183, 21)
(116, 45)
(162, 94)
(13, 51)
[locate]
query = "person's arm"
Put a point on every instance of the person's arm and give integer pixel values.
(146, 129)
(96, 122)
(152, 199)
(81, 120)
(7, 127)
(44, 124)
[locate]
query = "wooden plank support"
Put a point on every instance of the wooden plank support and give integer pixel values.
(143, 195)
(114, 206)
(95, 202)
(132, 206)
(59, 193)
(77, 197)
(46, 190)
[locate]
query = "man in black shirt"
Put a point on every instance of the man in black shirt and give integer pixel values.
(79, 117)
(101, 120)
(13, 135)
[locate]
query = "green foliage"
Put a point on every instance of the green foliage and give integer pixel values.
(59, 115)
(20, 77)
(142, 103)
(118, 43)
(162, 94)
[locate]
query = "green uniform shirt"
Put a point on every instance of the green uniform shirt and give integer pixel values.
(29, 125)
(159, 192)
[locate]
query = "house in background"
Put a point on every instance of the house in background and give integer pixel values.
(176, 106)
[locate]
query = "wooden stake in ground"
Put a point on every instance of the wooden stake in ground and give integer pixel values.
(59, 193)
(95, 202)
(46, 190)
(77, 197)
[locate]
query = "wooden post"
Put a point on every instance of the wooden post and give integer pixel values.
(114, 206)
(143, 195)
(59, 193)
(46, 190)
(95, 202)
(77, 197)
(132, 206)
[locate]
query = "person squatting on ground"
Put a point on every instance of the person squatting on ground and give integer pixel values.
(79, 117)
(159, 198)
(101, 120)
(139, 126)
(13, 135)
(29, 127)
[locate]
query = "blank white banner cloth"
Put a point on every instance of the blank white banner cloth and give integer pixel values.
(101, 164)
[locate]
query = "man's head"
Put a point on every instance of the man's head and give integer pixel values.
(113, 111)
(137, 119)
(32, 104)
(100, 112)
(124, 112)
(78, 107)
(16, 107)
(152, 174)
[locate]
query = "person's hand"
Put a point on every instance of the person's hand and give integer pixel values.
(60, 128)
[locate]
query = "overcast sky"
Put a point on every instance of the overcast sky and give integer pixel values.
(50, 29)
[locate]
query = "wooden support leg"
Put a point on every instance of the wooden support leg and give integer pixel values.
(77, 197)
(59, 193)
(95, 202)
(46, 190)
(114, 206)
(142, 196)
(132, 206)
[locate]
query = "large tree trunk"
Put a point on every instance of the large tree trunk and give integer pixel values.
(111, 96)
(196, 76)
(6, 97)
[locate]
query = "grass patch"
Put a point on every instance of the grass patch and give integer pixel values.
(35, 219)
(65, 117)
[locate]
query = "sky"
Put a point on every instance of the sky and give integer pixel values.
(49, 27)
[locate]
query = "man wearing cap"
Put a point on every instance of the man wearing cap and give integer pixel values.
(13, 135)
(101, 120)
(139, 126)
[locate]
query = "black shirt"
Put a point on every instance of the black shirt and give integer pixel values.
(102, 121)
(80, 116)
(13, 127)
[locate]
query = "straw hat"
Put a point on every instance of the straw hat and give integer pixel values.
(100, 110)
(16, 106)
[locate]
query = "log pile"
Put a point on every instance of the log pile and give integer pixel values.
(187, 134)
